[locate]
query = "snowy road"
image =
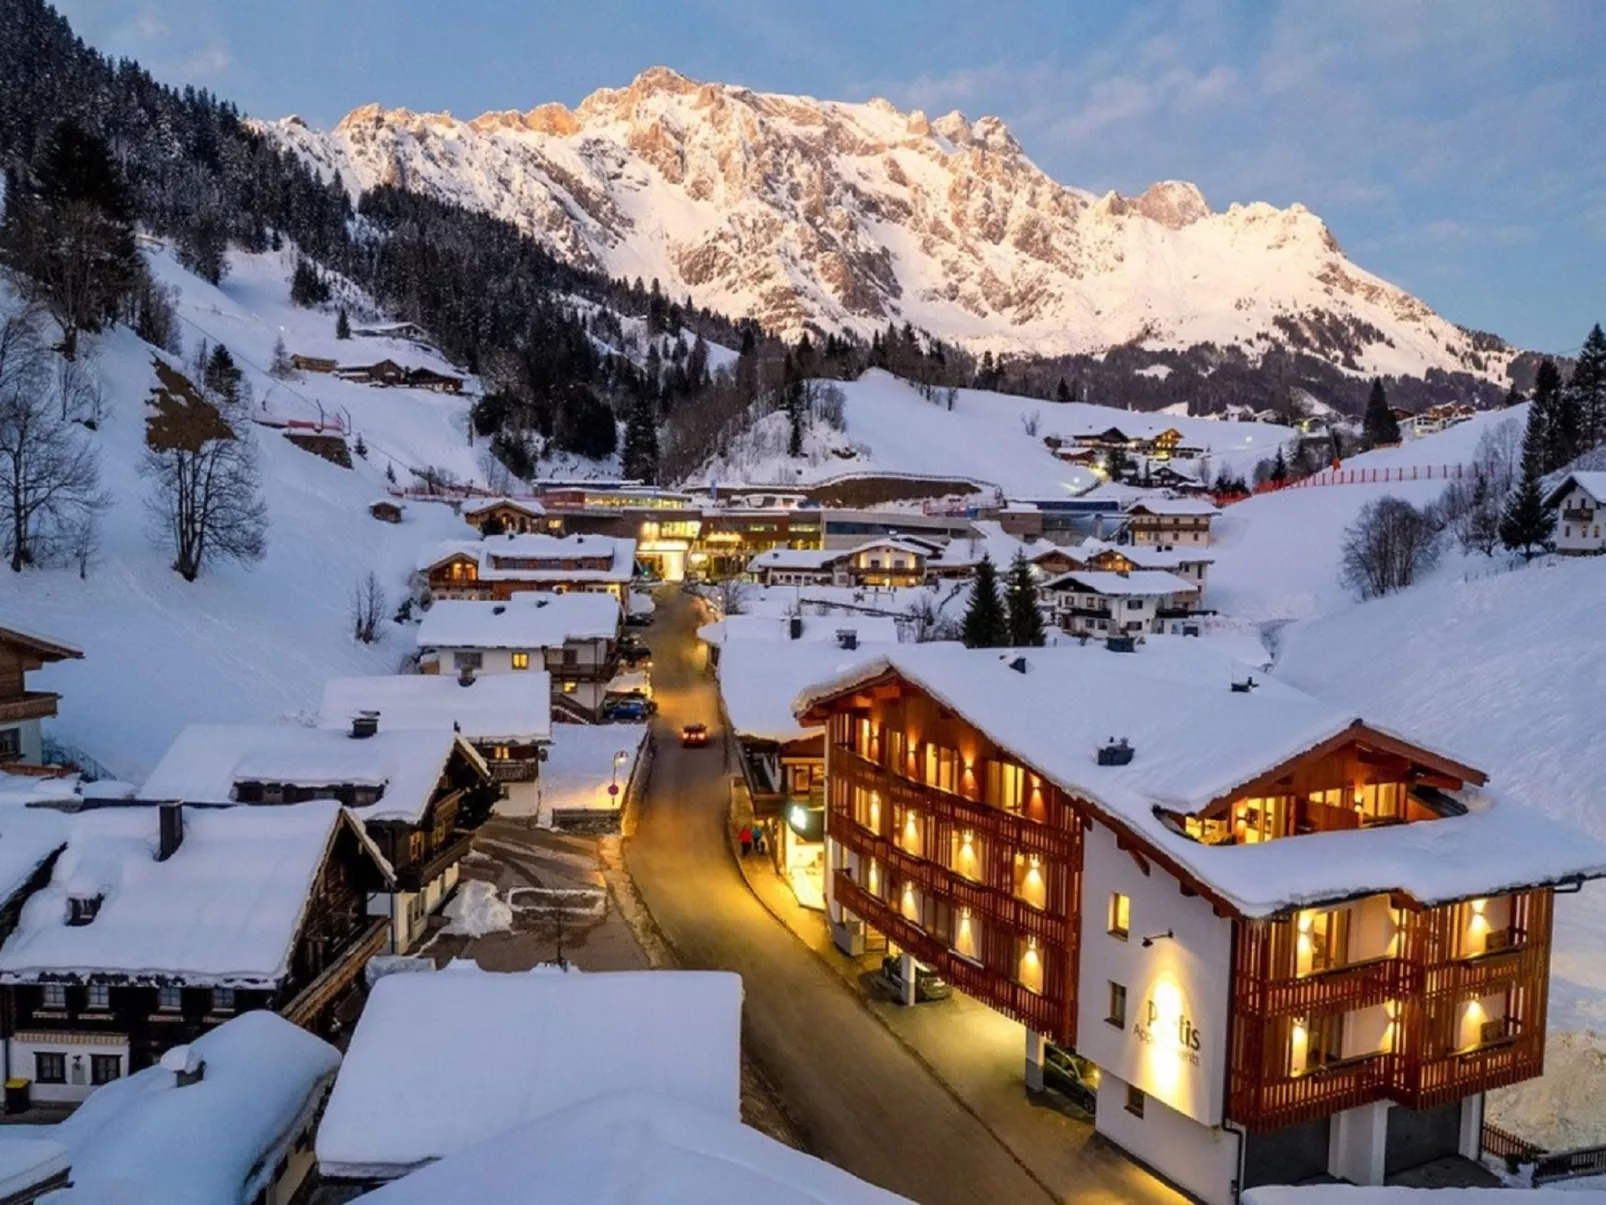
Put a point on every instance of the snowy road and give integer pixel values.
(858, 1096)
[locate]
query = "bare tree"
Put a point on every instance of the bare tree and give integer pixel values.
(498, 478)
(49, 473)
(730, 597)
(368, 604)
(1499, 455)
(1389, 546)
(1030, 423)
(205, 497)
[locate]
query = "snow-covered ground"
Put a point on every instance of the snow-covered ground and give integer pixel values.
(986, 437)
(1277, 555)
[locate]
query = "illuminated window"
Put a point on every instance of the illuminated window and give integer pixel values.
(1134, 1101)
(1117, 1014)
(1006, 785)
(521, 660)
(500, 753)
(1120, 915)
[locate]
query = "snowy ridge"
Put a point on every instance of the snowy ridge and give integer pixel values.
(805, 212)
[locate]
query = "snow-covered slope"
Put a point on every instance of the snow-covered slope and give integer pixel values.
(1277, 555)
(799, 211)
(241, 644)
(986, 437)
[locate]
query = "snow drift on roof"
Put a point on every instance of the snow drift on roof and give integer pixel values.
(1144, 583)
(27, 837)
(207, 760)
(224, 909)
(514, 708)
(620, 551)
(758, 678)
(214, 1142)
(528, 620)
(1197, 741)
(814, 629)
(633, 1149)
(522, 1046)
(1156, 504)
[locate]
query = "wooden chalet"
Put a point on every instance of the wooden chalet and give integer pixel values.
(313, 364)
(21, 709)
(1301, 1016)
(499, 516)
(385, 372)
(108, 962)
(497, 568)
(386, 511)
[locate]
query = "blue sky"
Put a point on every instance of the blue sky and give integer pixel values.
(1453, 146)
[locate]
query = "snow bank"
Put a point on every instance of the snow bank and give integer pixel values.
(633, 1149)
(520, 1047)
(476, 910)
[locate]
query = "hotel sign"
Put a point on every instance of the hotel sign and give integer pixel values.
(1169, 1030)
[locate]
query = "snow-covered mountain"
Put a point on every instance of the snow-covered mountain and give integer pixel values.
(798, 211)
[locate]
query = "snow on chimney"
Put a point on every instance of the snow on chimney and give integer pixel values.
(364, 725)
(169, 829)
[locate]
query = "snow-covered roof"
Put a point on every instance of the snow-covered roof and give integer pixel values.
(528, 505)
(633, 1148)
(486, 553)
(522, 1046)
(759, 678)
(640, 603)
(815, 629)
(990, 540)
(1592, 483)
(491, 708)
(143, 1140)
(808, 559)
(528, 620)
(223, 909)
(48, 647)
(1196, 741)
(580, 767)
(27, 837)
(1156, 504)
(1143, 583)
(1144, 556)
(206, 761)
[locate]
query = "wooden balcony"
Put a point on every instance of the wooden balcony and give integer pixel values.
(338, 975)
(30, 705)
(1341, 989)
(1293, 1099)
(1578, 515)
(522, 769)
(417, 877)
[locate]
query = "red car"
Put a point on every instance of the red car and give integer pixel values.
(694, 736)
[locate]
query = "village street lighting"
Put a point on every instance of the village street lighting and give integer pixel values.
(1150, 940)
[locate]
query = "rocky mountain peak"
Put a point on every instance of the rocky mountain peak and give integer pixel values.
(828, 215)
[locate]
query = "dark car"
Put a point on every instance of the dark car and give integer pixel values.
(637, 656)
(639, 619)
(1071, 1076)
(928, 984)
(694, 736)
(627, 709)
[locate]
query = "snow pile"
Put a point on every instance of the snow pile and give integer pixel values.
(522, 1046)
(632, 1149)
(583, 762)
(223, 910)
(476, 910)
(143, 1139)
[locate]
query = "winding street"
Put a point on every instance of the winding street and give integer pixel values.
(859, 1097)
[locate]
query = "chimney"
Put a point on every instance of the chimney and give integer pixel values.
(499, 609)
(465, 676)
(1019, 664)
(1121, 644)
(1116, 753)
(364, 725)
(1244, 687)
(847, 638)
(795, 627)
(170, 829)
(186, 1066)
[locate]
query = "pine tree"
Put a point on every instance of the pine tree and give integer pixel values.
(1588, 388)
(360, 447)
(1063, 392)
(1279, 468)
(640, 461)
(1526, 522)
(986, 626)
(280, 366)
(793, 398)
(342, 325)
(1550, 442)
(1020, 597)
(1117, 464)
(390, 472)
(1379, 425)
(222, 376)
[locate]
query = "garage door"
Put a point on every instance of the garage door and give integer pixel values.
(1286, 1156)
(1415, 1138)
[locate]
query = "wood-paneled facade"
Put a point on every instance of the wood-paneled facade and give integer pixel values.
(1370, 999)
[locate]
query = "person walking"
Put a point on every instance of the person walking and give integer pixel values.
(746, 835)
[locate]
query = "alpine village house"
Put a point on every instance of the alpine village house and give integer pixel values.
(141, 927)
(1201, 884)
(21, 709)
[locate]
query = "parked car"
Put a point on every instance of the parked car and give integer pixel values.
(694, 736)
(1071, 1076)
(928, 984)
(637, 656)
(639, 619)
(633, 708)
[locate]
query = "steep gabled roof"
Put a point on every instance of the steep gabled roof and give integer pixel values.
(1592, 483)
(43, 647)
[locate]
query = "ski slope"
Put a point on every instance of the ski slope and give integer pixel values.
(985, 438)
(1278, 555)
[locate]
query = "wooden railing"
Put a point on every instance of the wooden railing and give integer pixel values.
(1341, 989)
(1503, 1144)
(1569, 1165)
(32, 705)
(337, 976)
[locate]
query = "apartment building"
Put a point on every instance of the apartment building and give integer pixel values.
(1292, 943)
